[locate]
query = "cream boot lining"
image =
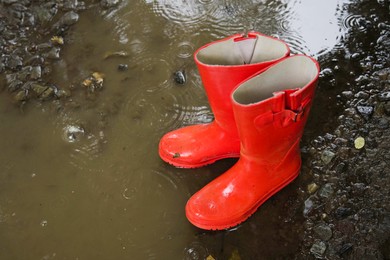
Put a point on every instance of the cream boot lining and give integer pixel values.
(294, 72)
(247, 51)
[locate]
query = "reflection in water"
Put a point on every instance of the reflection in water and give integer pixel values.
(83, 179)
(296, 22)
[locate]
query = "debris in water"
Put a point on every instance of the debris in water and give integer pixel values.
(123, 67)
(115, 54)
(93, 82)
(179, 77)
(87, 83)
(57, 40)
(359, 143)
(98, 77)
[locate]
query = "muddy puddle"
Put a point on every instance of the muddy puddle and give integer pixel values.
(81, 178)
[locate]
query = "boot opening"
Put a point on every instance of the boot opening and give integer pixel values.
(291, 73)
(245, 51)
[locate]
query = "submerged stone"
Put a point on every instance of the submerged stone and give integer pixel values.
(54, 53)
(123, 67)
(36, 72)
(179, 77)
(21, 96)
(109, 3)
(67, 19)
(38, 89)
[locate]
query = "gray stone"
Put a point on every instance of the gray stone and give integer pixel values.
(36, 72)
(323, 231)
(63, 93)
(308, 206)
(179, 77)
(67, 19)
(21, 96)
(109, 3)
(341, 167)
(327, 156)
(46, 12)
(49, 92)
(365, 111)
(383, 123)
(54, 53)
(38, 89)
(15, 85)
(15, 62)
(385, 96)
(362, 95)
(326, 191)
(318, 249)
(8, 2)
(123, 67)
(342, 212)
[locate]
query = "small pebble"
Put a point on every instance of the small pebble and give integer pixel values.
(365, 111)
(326, 191)
(342, 212)
(359, 143)
(323, 231)
(327, 156)
(123, 67)
(179, 77)
(311, 188)
(318, 248)
(385, 96)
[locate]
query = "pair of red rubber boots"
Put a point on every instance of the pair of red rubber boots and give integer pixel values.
(260, 97)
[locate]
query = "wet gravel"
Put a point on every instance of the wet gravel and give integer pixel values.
(346, 201)
(32, 36)
(345, 198)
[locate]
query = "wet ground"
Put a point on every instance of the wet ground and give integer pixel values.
(88, 88)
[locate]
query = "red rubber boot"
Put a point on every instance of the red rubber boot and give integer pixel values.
(222, 65)
(271, 109)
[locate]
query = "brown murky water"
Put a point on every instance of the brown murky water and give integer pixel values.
(83, 180)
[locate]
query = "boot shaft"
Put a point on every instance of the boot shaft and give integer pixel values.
(225, 63)
(271, 108)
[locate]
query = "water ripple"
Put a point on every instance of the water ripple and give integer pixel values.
(353, 21)
(89, 149)
(182, 11)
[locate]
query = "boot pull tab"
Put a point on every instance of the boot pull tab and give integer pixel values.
(277, 105)
(246, 45)
(285, 111)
